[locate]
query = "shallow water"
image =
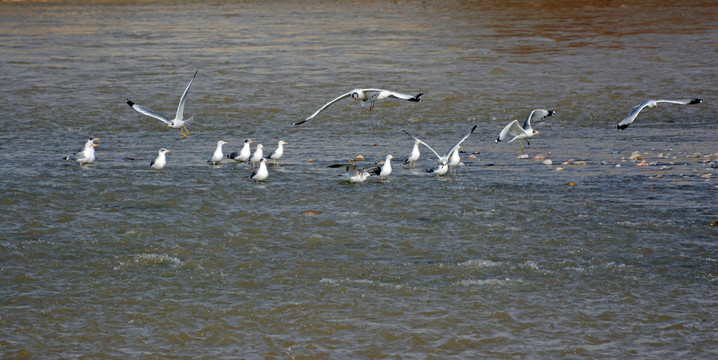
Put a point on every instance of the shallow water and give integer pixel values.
(509, 258)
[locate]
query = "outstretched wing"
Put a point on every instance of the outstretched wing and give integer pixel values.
(392, 94)
(536, 115)
(180, 107)
(322, 108)
(451, 151)
(143, 110)
(632, 116)
(681, 102)
(425, 144)
(512, 128)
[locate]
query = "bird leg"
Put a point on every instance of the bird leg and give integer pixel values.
(522, 145)
(187, 130)
(372, 105)
(182, 132)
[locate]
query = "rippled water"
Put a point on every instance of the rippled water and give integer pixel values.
(509, 258)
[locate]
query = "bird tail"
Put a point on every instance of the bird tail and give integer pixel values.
(232, 155)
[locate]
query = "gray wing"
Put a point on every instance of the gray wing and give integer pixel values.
(180, 107)
(632, 116)
(425, 144)
(461, 141)
(536, 115)
(322, 108)
(394, 94)
(143, 110)
(681, 102)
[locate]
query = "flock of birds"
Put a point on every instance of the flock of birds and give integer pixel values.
(447, 162)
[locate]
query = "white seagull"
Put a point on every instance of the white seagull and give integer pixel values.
(525, 132)
(257, 156)
(261, 174)
(217, 156)
(371, 95)
(86, 155)
(414, 156)
(242, 155)
(277, 153)
(357, 175)
(454, 159)
(443, 166)
(385, 170)
(178, 122)
(651, 104)
(160, 161)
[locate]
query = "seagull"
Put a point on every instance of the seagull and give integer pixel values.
(261, 173)
(217, 156)
(525, 132)
(371, 95)
(276, 154)
(651, 104)
(257, 156)
(86, 155)
(411, 160)
(454, 159)
(443, 160)
(160, 161)
(178, 122)
(385, 169)
(357, 175)
(243, 154)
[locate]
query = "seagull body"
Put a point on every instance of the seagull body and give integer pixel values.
(277, 153)
(217, 156)
(454, 159)
(243, 154)
(261, 174)
(371, 95)
(178, 122)
(86, 155)
(443, 160)
(257, 156)
(385, 170)
(414, 156)
(524, 132)
(651, 104)
(160, 161)
(356, 175)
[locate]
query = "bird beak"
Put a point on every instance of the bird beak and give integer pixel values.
(169, 125)
(95, 145)
(538, 132)
(96, 139)
(252, 141)
(169, 150)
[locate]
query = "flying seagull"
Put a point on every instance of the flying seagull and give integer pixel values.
(371, 95)
(651, 104)
(525, 132)
(178, 122)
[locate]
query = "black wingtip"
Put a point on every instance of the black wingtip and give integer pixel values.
(299, 123)
(416, 98)
(497, 140)
(232, 155)
(696, 101)
(551, 113)
(129, 102)
(621, 127)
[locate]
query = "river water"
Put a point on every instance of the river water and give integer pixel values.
(590, 257)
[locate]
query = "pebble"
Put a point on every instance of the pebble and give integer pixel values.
(642, 163)
(559, 169)
(636, 156)
(523, 156)
(539, 157)
(547, 162)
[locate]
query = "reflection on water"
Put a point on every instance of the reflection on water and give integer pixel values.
(587, 257)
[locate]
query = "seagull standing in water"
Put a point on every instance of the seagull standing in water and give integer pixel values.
(277, 153)
(262, 173)
(357, 174)
(371, 95)
(454, 160)
(385, 169)
(217, 156)
(525, 132)
(257, 156)
(160, 161)
(414, 156)
(86, 155)
(243, 154)
(651, 104)
(178, 122)
(443, 166)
